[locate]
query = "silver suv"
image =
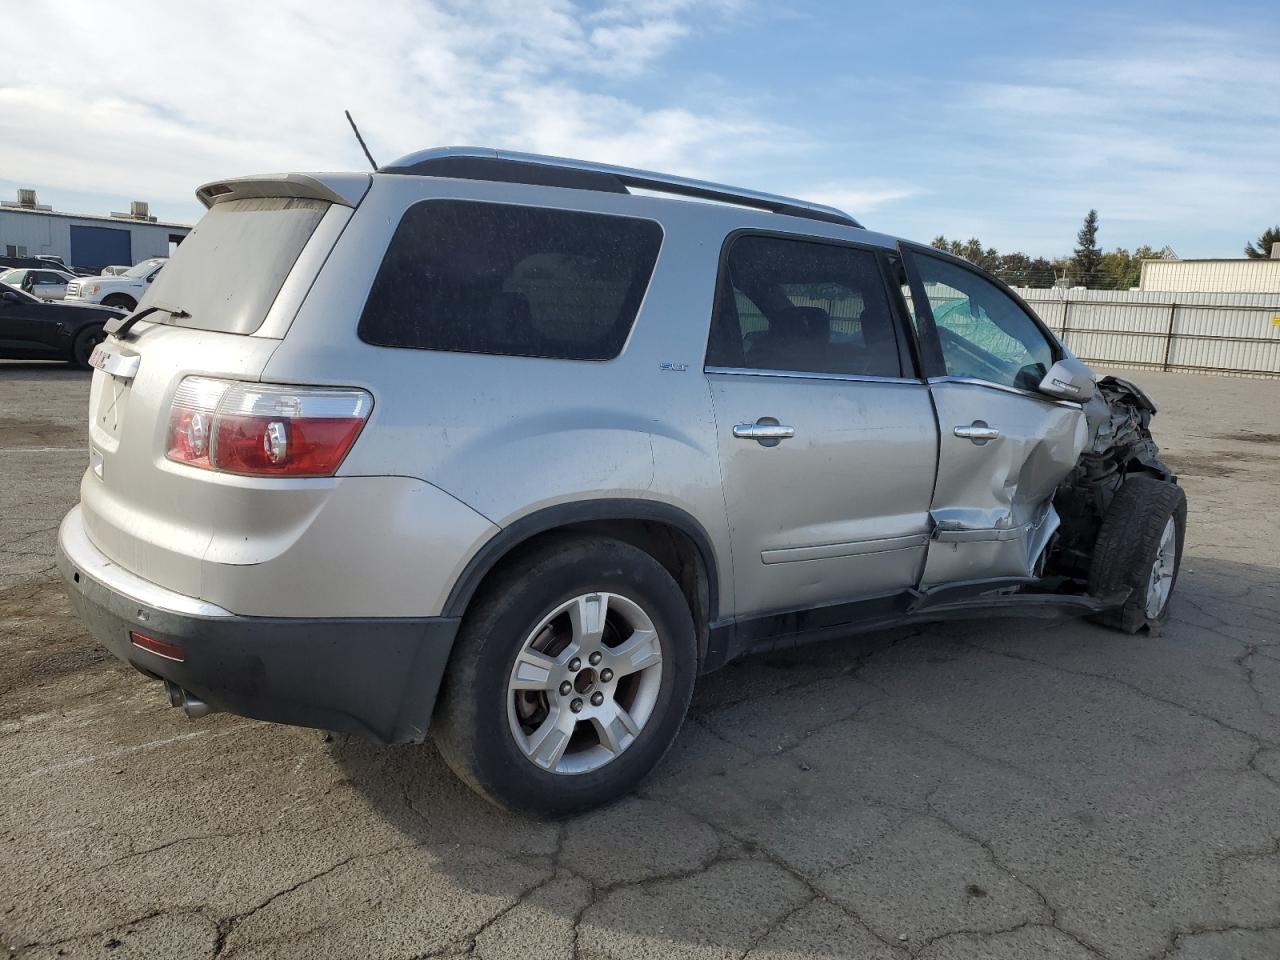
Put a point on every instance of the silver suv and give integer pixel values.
(490, 446)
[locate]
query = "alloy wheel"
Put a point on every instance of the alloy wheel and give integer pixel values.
(584, 683)
(1162, 570)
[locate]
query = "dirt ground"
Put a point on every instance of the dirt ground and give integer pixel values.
(999, 789)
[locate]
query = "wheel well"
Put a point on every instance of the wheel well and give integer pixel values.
(672, 547)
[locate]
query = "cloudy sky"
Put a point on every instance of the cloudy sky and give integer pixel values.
(1007, 121)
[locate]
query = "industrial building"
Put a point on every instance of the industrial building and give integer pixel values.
(1213, 276)
(91, 242)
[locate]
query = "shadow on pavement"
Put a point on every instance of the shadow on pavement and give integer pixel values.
(897, 789)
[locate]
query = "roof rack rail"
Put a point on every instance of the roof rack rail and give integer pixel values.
(483, 163)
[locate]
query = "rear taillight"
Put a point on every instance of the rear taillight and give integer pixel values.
(264, 430)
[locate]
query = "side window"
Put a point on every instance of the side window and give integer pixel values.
(803, 306)
(983, 332)
(471, 277)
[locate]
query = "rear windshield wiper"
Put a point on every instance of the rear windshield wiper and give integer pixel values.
(124, 324)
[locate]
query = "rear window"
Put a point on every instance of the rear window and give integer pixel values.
(227, 272)
(471, 277)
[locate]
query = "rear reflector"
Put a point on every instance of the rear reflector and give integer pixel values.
(161, 648)
(264, 430)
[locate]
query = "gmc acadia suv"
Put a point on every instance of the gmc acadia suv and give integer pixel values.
(488, 446)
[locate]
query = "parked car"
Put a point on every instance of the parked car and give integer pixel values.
(123, 291)
(485, 447)
(40, 262)
(45, 284)
(35, 329)
(8, 263)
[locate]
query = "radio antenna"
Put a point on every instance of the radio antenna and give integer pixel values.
(356, 131)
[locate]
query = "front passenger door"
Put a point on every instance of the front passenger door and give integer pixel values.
(1004, 447)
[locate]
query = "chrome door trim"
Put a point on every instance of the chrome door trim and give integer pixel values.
(951, 534)
(1016, 391)
(855, 548)
(801, 375)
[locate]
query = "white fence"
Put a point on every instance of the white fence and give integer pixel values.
(1230, 333)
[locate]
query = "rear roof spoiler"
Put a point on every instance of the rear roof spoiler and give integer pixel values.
(347, 189)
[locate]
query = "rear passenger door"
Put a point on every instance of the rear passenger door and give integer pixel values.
(1004, 447)
(827, 439)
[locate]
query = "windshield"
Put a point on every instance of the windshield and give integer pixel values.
(142, 269)
(228, 270)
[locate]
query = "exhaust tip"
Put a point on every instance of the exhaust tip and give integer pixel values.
(173, 693)
(191, 705)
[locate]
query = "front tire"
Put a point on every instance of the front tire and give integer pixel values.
(570, 677)
(1139, 548)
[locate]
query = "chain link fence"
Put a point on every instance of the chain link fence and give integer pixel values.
(1224, 333)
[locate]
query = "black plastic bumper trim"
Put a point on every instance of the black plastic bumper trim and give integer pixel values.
(377, 677)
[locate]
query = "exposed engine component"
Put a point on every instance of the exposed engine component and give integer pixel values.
(1119, 421)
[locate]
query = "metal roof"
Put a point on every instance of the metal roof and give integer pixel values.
(119, 221)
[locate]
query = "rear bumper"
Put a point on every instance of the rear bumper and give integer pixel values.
(377, 677)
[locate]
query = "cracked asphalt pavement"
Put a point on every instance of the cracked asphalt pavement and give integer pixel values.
(998, 789)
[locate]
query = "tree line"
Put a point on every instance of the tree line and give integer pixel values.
(1087, 266)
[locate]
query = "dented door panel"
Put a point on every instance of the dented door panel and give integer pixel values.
(992, 512)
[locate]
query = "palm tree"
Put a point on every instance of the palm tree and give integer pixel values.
(1260, 249)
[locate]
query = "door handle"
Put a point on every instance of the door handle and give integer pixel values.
(767, 431)
(978, 431)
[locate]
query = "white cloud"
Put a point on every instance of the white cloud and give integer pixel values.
(1159, 129)
(151, 101)
(859, 199)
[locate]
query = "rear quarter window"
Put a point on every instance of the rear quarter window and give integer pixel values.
(472, 277)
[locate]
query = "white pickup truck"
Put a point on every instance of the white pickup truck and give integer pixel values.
(123, 291)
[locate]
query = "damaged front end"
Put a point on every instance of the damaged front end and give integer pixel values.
(1120, 444)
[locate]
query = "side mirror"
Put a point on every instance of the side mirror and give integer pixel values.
(8, 296)
(1068, 379)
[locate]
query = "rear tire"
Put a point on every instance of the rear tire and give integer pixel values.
(120, 301)
(82, 348)
(1139, 548)
(493, 719)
